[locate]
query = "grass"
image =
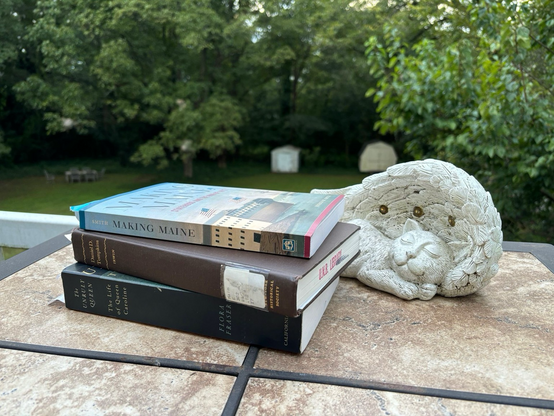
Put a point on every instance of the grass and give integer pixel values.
(25, 189)
(7, 252)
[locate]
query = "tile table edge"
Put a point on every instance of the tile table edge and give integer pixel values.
(541, 251)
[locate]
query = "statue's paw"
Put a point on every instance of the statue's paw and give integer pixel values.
(406, 290)
(427, 291)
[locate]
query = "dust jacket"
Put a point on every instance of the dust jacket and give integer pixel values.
(108, 293)
(286, 223)
(284, 285)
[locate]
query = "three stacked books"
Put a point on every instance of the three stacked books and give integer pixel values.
(246, 265)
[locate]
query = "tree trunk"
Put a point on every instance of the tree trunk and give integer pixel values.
(187, 165)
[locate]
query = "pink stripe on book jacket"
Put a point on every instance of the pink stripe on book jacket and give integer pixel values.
(318, 221)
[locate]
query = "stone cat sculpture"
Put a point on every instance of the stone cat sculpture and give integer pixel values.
(427, 227)
(410, 266)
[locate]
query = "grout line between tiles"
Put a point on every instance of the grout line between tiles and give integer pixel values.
(406, 389)
(235, 397)
(123, 358)
(247, 371)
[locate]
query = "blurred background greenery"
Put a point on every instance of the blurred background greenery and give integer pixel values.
(31, 193)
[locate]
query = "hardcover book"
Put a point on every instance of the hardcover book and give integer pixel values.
(107, 293)
(284, 285)
(287, 223)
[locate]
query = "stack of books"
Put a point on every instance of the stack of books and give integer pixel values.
(247, 265)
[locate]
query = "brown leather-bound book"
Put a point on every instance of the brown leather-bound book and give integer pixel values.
(284, 285)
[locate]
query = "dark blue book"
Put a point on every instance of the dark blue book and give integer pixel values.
(108, 293)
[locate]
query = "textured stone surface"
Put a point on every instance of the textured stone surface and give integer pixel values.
(499, 340)
(278, 397)
(27, 315)
(458, 242)
(42, 384)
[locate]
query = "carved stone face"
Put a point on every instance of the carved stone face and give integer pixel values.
(419, 256)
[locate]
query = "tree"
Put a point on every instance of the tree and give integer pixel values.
(120, 71)
(151, 78)
(8, 52)
(15, 62)
(479, 92)
(308, 59)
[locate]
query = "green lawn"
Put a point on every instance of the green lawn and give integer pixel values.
(31, 192)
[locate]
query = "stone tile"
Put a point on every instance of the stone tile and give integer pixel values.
(278, 397)
(497, 341)
(42, 384)
(28, 315)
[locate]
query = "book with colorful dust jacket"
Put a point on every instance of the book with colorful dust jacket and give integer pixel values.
(108, 293)
(286, 223)
(284, 285)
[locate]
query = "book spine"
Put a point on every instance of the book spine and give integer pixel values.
(262, 289)
(101, 292)
(142, 227)
(273, 241)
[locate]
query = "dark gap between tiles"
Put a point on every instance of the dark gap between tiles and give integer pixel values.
(405, 389)
(222, 369)
(235, 397)
(247, 371)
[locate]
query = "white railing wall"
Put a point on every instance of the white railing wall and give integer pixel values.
(26, 230)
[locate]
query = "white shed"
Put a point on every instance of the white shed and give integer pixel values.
(285, 159)
(376, 156)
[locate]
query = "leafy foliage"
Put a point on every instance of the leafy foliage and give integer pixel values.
(143, 77)
(153, 81)
(478, 93)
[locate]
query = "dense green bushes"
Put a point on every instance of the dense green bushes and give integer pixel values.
(477, 90)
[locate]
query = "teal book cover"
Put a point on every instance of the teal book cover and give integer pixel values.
(286, 223)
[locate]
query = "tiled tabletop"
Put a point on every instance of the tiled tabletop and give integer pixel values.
(488, 353)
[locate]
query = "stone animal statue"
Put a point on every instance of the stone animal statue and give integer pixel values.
(427, 227)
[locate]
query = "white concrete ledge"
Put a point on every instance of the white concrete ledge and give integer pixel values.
(26, 230)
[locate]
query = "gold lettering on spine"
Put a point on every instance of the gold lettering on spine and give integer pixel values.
(228, 320)
(125, 301)
(109, 296)
(83, 247)
(225, 319)
(85, 292)
(98, 254)
(91, 250)
(106, 255)
(271, 294)
(286, 332)
(121, 300)
(221, 318)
